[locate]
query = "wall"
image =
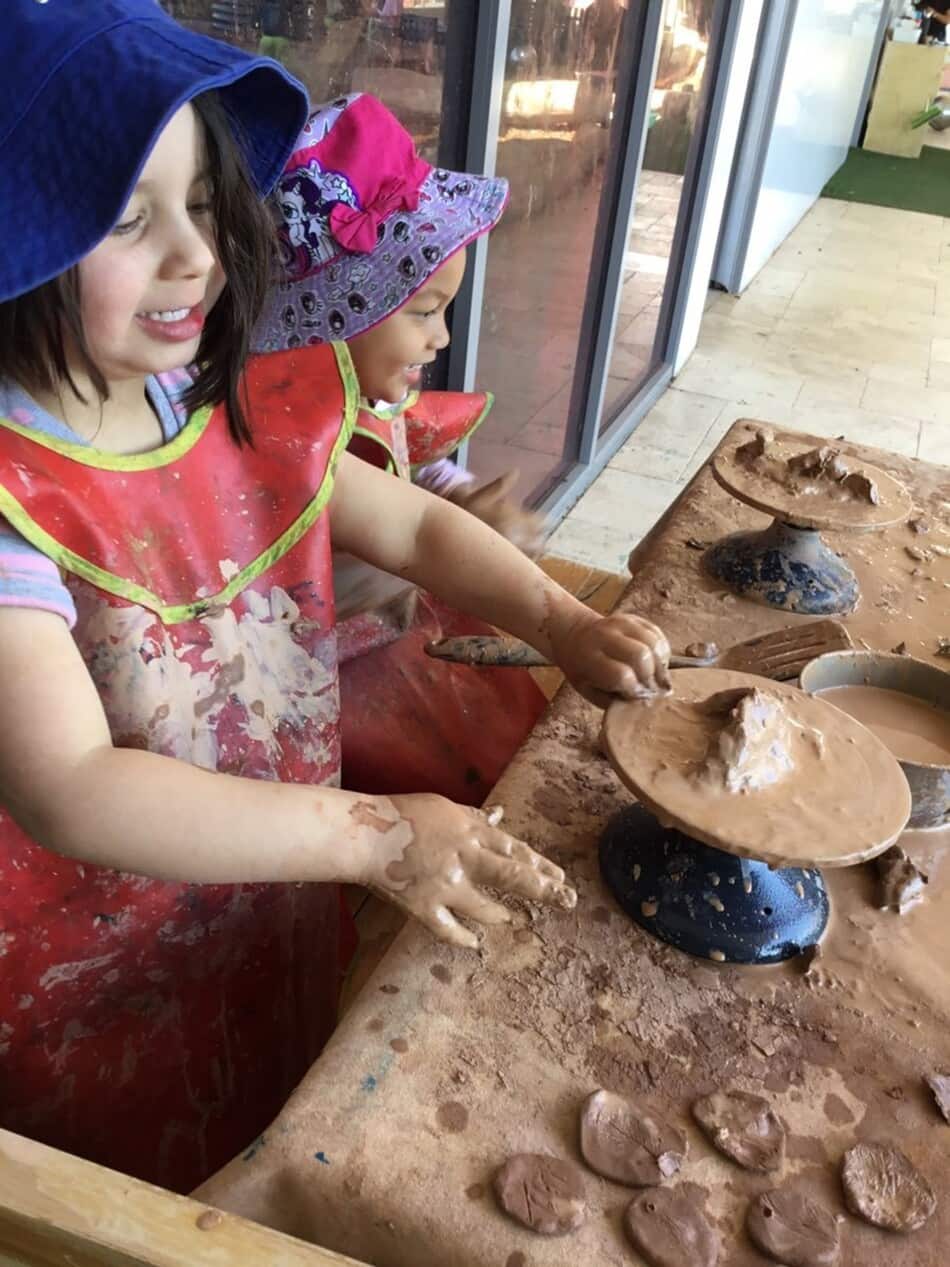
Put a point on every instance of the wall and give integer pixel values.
(832, 45)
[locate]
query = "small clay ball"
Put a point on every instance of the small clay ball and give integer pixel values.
(743, 1127)
(886, 1188)
(543, 1193)
(625, 1143)
(793, 1229)
(669, 1229)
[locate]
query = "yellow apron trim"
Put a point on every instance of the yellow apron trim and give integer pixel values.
(186, 439)
(69, 561)
(391, 411)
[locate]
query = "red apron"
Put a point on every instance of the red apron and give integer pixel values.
(411, 723)
(154, 1027)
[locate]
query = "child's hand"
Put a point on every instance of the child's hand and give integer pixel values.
(525, 529)
(604, 657)
(432, 857)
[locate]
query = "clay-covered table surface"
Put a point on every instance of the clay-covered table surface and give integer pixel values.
(450, 1061)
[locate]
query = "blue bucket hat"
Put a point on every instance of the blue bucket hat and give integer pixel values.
(86, 90)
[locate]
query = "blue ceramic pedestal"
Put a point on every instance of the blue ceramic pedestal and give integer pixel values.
(785, 567)
(708, 902)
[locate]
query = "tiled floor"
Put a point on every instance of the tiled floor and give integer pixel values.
(846, 331)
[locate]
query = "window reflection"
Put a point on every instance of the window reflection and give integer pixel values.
(553, 140)
(392, 48)
(676, 103)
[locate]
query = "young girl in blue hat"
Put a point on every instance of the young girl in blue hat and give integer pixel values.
(171, 832)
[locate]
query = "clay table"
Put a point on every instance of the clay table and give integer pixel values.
(450, 1061)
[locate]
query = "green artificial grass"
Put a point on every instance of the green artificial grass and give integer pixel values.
(911, 184)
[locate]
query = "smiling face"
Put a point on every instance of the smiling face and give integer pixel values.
(146, 289)
(389, 358)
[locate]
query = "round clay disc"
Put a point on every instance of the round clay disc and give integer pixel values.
(886, 1188)
(669, 1229)
(626, 1142)
(844, 800)
(793, 1229)
(743, 1126)
(756, 485)
(543, 1193)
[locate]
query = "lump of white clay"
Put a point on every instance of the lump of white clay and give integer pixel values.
(939, 1084)
(669, 1229)
(886, 1188)
(901, 883)
(742, 1126)
(753, 747)
(623, 1142)
(793, 1229)
(543, 1193)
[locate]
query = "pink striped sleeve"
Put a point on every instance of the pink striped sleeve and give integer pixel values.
(29, 579)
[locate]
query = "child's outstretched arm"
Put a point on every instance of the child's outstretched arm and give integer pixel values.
(411, 533)
(65, 784)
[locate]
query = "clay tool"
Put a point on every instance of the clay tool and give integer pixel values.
(720, 857)
(807, 491)
(780, 655)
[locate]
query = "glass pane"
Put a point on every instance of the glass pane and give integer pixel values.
(553, 139)
(392, 48)
(675, 109)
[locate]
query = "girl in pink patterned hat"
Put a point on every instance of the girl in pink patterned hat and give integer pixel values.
(373, 246)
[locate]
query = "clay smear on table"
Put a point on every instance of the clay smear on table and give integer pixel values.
(543, 1193)
(793, 1229)
(759, 769)
(912, 728)
(668, 1227)
(628, 1144)
(743, 1126)
(884, 1187)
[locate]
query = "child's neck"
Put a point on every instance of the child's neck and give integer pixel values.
(125, 423)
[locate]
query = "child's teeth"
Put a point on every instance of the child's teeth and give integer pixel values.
(172, 314)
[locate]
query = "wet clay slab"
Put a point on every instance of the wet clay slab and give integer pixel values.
(819, 790)
(625, 1142)
(884, 1187)
(818, 487)
(744, 1127)
(560, 1004)
(793, 1229)
(544, 1193)
(669, 1229)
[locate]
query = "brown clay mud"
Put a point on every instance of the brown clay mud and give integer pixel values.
(794, 1230)
(886, 1188)
(759, 769)
(821, 487)
(902, 883)
(743, 1127)
(544, 1194)
(627, 1143)
(668, 1227)
(913, 729)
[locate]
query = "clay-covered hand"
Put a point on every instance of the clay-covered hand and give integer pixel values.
(432, 858)
(604, 657)
(491, 503)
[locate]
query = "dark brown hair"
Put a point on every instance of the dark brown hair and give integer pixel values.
(34, 327)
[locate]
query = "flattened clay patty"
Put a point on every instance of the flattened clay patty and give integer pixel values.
(792, 1229)
(884, 1187)
(544, 1193)
(670, 1230)
(624, 1143)
(743, 1127)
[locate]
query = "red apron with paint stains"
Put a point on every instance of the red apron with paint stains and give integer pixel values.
(156, 1027)
(411, 723)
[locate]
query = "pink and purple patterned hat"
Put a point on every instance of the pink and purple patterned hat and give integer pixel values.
(364, 222)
